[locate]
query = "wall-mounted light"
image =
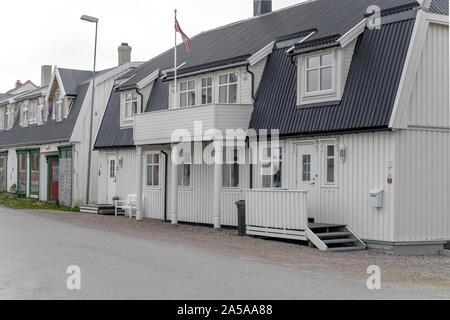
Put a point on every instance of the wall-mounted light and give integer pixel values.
(121, 162)
(343, 152)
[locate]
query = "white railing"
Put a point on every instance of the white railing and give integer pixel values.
(158, 126)
(276, 213)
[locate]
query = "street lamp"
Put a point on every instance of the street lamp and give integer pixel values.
(93, 20)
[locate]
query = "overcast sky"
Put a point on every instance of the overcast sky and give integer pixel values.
(34, 33)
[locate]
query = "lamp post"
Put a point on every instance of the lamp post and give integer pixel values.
(93, 20)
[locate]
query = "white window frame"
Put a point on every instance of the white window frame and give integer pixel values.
(24, 116)
(225, 165)
(184, 94)
(40, 113)
(7, 116)
(227, 86)
(326, 157)
(2, 117)
(206, 88)
(32, 111)
(272, 161)
(58, 112)
(319, 69)
(128, 105)
(152, 165)
(181, 183)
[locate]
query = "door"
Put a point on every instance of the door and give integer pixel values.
(3, 171)
(22, 172)
(112, 172)
(308, 175)
(53, 168)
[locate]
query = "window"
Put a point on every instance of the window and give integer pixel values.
(40, 115)
(152, 170)
(2, 118)
(230, 169)
(184, 170)
(306, 167)
(207, 90)
(59, 106)
(34, 172)
(330, 164)
(271, 166)
(131, 104)
(319, 73)
(25, 112)
(228, 88)
(187, 94)
(32, 108)
(7, 116)
(112, 168)
(3, 171)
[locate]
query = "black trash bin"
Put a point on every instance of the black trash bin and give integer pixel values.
(241, 217)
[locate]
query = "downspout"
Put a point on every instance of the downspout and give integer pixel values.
(253, 81)
(142, 99)
(165, 183)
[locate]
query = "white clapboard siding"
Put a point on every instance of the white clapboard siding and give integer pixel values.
(276, 209)
(157, 127)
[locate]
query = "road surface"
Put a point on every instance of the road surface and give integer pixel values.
(35, 253)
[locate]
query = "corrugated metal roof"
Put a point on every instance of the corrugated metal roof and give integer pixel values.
(159, 97)
(369, 94)
(50, 132)
(110, 134)
(439, 6)
(245, 37)
(72, 78)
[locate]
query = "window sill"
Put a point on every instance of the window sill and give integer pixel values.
(150, 188)
(231, 189)
(185, 189)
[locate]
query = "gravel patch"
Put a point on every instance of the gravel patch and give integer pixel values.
(429, 275)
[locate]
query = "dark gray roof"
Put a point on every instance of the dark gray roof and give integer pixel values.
(4, 96)
(159, 98)
(50, 132)
(110, 134)
(329, 17)
(439, 6)
(368, 97)
(72, 78)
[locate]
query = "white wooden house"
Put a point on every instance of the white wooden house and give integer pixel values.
(362, 112)
(44, 134)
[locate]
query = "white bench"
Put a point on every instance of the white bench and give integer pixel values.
(128, 205)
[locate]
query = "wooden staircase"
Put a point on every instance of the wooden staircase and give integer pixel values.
(334, 238)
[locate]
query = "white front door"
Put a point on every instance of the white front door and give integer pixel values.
(307, 174)
(112, 172)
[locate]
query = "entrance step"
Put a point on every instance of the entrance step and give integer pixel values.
(335, 238)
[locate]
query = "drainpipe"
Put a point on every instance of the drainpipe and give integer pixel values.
(142, 99)
(253, 82)
(165, 183)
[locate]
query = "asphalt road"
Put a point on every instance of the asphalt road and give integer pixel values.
(35, 253)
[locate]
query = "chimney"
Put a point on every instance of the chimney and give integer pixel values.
(46, 74)
(124, 54)
(261, 7)
(18, 84)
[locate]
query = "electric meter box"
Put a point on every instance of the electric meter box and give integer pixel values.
(376, 198)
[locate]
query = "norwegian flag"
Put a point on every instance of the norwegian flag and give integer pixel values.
(186, 40)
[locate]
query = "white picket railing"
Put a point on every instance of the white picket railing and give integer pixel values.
(276, 213)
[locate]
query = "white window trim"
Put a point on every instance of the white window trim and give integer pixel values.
(268, 146)
(325, 158)
(239, 187)
(128, 122)
(134, 98)
(238, 87)
(207, 87)
(319, 68)
(146, 186)
(187, 91)
(183, 187)
(58, 109)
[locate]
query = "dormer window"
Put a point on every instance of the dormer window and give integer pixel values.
(32, 108)
(40, 116)
(319, 73)
(24, 115)
(187, 94)
(59, 106)
(228, 88)
(131, 102)
(7, 116)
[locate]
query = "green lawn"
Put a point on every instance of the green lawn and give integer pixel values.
(11, 201)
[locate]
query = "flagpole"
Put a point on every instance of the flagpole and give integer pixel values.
(175, 63)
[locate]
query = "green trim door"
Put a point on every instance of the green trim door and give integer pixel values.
(22, 172)
(4, 171)
(34, 172)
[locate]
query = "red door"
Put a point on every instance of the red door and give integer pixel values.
(53, 179)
